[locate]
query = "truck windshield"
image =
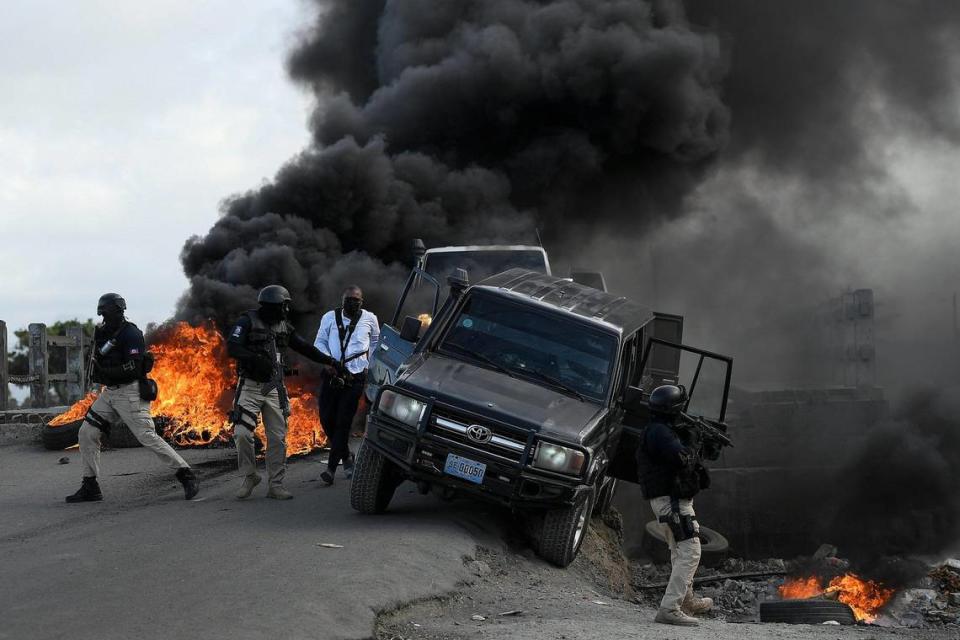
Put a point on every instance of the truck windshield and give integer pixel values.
(482, 263)
(542, 347)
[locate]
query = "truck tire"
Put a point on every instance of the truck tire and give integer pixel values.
(61, 437)
(806, 612)
(373, 484)
(563, 532)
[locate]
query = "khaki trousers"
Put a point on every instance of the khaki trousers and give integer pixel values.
(254, 402)
(123, 404)
(684, 555)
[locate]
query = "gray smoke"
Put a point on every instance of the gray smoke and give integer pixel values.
(464, 123)
(840, 113)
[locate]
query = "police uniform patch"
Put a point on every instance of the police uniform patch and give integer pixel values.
(237, 331)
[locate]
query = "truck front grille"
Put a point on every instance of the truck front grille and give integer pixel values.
(501, 443)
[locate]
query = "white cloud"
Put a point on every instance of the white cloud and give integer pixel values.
(123, 127)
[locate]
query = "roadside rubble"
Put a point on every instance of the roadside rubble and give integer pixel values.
(739, 586)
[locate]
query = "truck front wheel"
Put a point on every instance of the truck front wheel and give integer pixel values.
(563, 532)
(374, 481)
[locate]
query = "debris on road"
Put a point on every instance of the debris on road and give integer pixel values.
(512, 612)
(477, 617)
(64, 460)
(330, 545)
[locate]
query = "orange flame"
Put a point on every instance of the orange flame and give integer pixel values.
(801, 588)
(196, 380)
(865, 597)
(76, 412)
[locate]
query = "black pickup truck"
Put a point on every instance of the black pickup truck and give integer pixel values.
(525, 389)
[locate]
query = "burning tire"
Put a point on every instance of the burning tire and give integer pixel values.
(373, 481)
(563, 532)
(61, 437)
(806, 612)
(713, 545)
(120, 437)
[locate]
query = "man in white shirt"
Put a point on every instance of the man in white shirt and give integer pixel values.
(348, 334)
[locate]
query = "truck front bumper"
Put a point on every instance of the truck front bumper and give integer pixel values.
(422, 457)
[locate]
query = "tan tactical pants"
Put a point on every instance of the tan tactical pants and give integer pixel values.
(684, 555)
(254, 402)
(123, 404)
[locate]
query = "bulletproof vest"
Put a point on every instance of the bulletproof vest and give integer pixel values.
(117, 355)
(658, 478)
(266, 340)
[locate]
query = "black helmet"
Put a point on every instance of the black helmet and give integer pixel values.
(668, 400)
(108, 300)
(274, 294)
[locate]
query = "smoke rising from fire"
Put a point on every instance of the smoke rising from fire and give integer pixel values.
(898, 494)
(465, 123)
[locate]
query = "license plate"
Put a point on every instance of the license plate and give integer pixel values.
(464, 468)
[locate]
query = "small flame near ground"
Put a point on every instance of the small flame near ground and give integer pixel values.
(865, 597)
(196, 379)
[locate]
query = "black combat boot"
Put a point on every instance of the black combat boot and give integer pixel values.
(189, 481)
(89, 492)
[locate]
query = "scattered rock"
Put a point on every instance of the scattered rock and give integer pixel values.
(825, 551)
(477, 617)
(952, 564)
(64, 460)
(954, 599)
(512, 612)
(478, 568)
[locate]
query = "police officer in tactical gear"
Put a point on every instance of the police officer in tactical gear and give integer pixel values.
(671, 474)
(120, 363)
(258, 341)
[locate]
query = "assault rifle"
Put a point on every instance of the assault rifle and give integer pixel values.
(709, 438)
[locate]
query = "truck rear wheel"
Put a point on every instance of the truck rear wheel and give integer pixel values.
(374, 481)
(563, 532)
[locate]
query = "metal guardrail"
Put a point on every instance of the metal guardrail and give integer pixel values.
(38, 358)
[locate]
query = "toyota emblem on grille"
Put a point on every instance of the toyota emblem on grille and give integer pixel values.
(479, 434)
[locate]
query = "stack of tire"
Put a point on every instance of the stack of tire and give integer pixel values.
(58, 438)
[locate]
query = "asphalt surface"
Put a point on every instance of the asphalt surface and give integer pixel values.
(145, 563)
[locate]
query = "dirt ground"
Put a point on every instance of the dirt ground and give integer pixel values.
(514, 594)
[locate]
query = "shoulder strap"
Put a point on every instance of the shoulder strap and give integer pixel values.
(345, 334)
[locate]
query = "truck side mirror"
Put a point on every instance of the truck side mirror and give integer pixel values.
(410, 329)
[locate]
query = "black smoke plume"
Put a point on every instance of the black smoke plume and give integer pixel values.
(463, 123)
(898, 494)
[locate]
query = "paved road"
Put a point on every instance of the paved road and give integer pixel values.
(146, 564)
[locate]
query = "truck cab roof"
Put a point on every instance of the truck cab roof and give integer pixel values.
(618, 313)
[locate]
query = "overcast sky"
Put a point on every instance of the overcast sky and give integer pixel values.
(122, 125)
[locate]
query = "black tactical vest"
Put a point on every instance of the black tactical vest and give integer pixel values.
(658, 478)
(266, 340)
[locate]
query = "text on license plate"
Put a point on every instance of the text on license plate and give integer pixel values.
(465, 468)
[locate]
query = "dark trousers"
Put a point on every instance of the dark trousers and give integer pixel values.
(337, 408)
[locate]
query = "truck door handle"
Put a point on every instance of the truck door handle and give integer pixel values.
(385, 347)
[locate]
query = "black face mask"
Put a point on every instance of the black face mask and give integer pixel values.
(112, 315)
(273, 313)
(351, 307)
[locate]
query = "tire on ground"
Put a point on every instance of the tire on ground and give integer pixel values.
(373, 483)
(713, 545)
(59, 438)
(563, 532)
(121, 437)
(806, 612)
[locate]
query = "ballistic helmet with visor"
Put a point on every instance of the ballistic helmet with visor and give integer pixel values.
(274, 294)
(668, 400)
(108, 301)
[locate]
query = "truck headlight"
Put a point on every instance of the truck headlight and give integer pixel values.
(401, 408)
(553, 457)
